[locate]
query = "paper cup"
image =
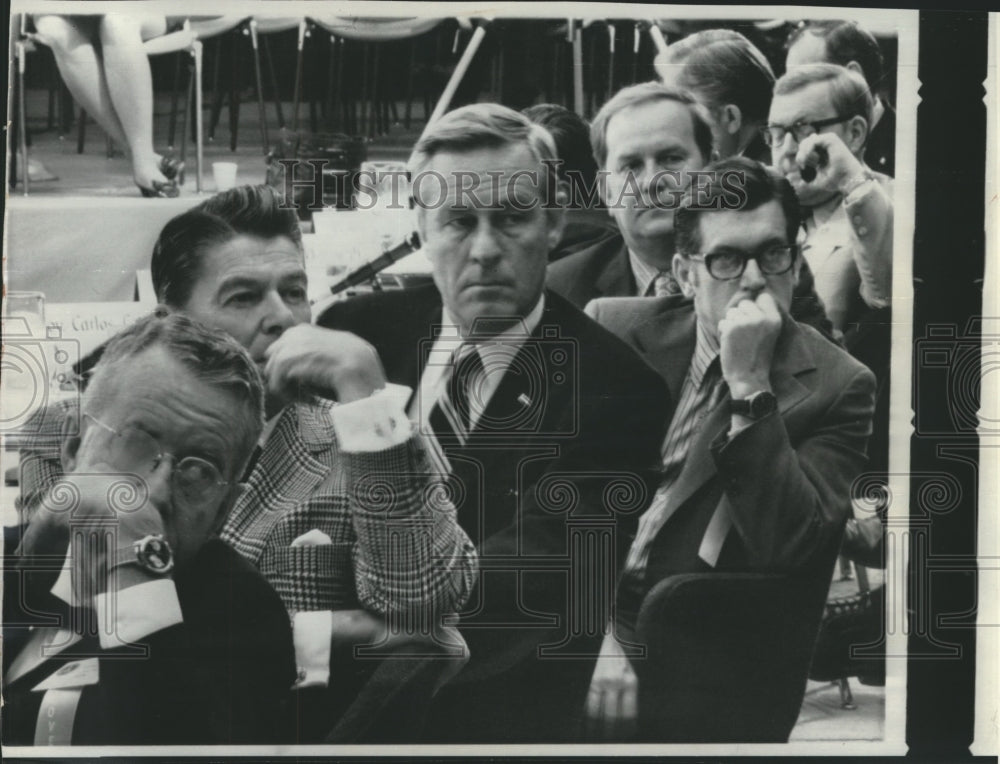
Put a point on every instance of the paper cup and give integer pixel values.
(225, 175)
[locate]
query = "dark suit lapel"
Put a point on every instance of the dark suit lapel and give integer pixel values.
(616, 280)
(514, 395)
(667, 341)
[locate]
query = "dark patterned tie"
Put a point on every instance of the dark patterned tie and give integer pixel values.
(663, 285)
(451, 416)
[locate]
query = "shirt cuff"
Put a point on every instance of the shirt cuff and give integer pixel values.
(375, 423)
(859, 188)
(735, 430)
(312, 632)
(63, 587)
(139, 610)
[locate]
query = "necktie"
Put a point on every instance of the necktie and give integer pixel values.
(664, 285)
(451, 417)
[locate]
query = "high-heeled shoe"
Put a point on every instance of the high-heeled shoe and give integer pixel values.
(172, 169)
(160, 190)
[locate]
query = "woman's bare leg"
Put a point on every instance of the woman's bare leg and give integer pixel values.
(130, 85)
(81, 68)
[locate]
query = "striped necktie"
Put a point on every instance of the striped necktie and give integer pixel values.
(451, 416)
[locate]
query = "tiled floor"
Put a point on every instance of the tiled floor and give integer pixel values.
(823, 718)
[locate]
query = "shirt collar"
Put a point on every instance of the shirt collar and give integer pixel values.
(706, 350)
(877, 111)
(644, 273)
(514, 335)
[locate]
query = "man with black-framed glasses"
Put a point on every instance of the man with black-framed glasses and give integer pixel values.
(817, 129)
(770, 428)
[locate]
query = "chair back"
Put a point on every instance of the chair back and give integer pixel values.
(727, 656)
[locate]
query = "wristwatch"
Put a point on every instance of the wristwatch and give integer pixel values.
(151, 553)
(755, 406)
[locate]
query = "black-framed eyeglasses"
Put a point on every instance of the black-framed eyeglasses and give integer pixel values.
(730, 264)
(194, 480)
(774, 135)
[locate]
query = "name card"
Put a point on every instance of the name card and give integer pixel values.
(88, 324)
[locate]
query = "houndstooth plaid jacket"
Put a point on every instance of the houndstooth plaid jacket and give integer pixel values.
(397, 547)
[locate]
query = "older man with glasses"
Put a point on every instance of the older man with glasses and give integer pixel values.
(155, 632)
(817, 129)
(771, 423)
(338, 508)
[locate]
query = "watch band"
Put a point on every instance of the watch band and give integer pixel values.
(151, 553)
(755, 406)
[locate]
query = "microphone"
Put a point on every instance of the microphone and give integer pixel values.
(369, 270)
(808, 171)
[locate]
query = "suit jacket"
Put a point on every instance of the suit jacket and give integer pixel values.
(529, 487)
(784, 482)
(600, 270)
(758, 150)
(604, 270)
(850, 253)
(221, 676)
(303, 480)
(584, 228)
(880, 153)
(299, 482)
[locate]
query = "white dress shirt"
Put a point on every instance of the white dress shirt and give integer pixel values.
(497, 353)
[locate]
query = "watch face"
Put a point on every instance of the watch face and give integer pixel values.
(762, 404)
(154, 554)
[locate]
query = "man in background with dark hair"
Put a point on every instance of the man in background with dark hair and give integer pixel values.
(732, 79)
(587, 221)
(771, 423)
(848, 45)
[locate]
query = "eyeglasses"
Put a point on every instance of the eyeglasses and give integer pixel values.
(730, 264)
(774, 135)
(195, 481)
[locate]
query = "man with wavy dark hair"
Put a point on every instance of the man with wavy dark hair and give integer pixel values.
(338, 509)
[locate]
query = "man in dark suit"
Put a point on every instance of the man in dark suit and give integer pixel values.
(733, 80)
(848, 45)
(771, 422)
(153, 631)
(547, 424)
(647, 139)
